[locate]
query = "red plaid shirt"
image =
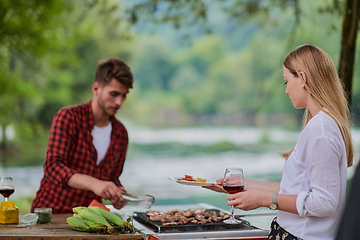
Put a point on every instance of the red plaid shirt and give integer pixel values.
(70, 150)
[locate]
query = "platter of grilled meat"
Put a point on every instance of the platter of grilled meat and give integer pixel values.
(176, 220)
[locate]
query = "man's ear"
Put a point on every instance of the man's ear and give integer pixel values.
(95, 87)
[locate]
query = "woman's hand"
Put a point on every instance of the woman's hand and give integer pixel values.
(249, 199)
(216, 187)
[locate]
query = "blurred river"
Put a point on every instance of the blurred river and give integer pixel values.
(149, 173)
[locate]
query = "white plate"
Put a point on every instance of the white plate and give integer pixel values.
(192, 183)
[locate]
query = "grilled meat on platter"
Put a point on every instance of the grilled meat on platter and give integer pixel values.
(179, 217)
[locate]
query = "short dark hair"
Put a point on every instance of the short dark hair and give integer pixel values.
(114, 68)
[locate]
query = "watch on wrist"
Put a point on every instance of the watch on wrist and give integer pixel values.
(273, 203)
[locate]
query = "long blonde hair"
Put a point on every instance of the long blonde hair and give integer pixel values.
(324, 85)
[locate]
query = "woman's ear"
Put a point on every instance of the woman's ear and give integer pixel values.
(303, 76)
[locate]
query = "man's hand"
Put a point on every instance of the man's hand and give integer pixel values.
(121, 202)
(109, 191)
(105, 189)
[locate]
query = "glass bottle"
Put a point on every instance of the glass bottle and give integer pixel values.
(9, 213)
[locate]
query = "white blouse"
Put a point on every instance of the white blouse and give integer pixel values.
(315, 172)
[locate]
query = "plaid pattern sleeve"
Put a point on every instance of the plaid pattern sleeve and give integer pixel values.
(70, 150)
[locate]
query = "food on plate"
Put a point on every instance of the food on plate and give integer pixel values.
(201, 180)
(180, 217)
(187, 178)
(96, 219)
(191, 179)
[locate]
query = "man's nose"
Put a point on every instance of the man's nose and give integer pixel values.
(119, 100)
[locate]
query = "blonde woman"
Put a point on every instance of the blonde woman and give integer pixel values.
(311, 195)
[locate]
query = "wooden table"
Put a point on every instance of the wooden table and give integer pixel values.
(57, 229)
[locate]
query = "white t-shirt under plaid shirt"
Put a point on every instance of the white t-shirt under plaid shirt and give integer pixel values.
(101, 140)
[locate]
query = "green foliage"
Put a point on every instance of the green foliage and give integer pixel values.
(42, 42)
(28, 30)
(49, 51)
(27, 25)
(43, 46)
(212, 77)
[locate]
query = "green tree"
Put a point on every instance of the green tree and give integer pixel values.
(196, 14)
(48, 53)
(28, 31)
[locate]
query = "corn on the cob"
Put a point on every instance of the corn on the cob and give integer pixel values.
(76, 215)
(95, 219)
(98, 227)
(78, 224)
(120, 224)
(110, 217)
(89, 214)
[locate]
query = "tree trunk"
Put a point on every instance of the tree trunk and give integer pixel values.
(3, 146)
(3, 139)
(348, 44)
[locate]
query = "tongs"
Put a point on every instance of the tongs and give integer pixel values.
(144, 201)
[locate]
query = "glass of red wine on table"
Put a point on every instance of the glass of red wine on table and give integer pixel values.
(233, 183)
(6, 187)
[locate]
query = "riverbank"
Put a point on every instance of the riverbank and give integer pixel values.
(154, 155)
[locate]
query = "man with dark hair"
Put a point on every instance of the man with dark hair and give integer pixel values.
(87, 146)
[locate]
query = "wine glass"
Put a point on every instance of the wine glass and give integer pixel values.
(6, 187)
(233, 183)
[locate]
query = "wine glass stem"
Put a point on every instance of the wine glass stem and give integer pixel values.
(232, 212)
(6, 199)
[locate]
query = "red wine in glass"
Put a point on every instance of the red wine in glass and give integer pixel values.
(233, 183)
(6, 192)
(6, 187)
(233, 188)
